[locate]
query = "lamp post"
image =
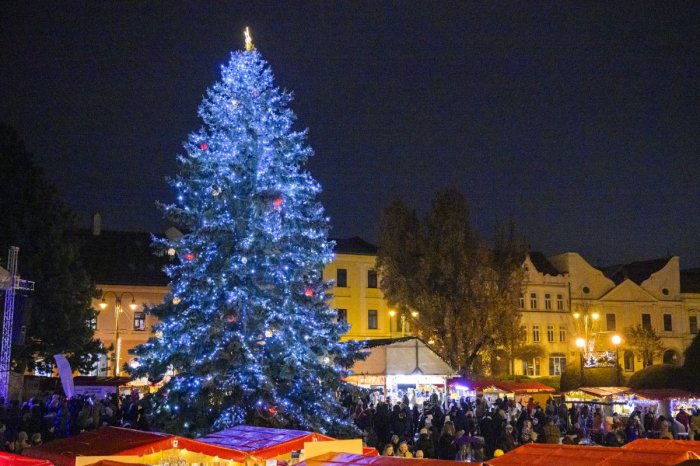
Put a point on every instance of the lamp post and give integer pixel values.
(616, 340)
(117, 311)
(580, 343)
(404, 318)
(588, 319)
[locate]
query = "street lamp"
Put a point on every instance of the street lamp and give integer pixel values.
(117, 311)
(580, 344)
(616, 340)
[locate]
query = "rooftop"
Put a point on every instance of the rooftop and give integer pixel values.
(638, 271)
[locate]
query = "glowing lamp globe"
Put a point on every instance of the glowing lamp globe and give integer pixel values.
(580, 342)
(616, 340)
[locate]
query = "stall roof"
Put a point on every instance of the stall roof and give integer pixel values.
(262, 442)
(408, 355)
(338, 459)
(9, 459)
(647, 444)
(508, 386)
(266, 442)
(534, 454)
(665, 394)
(108, 441)
(604, 391)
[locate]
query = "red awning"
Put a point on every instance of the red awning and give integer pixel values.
(646, 444)
(534, 454)
(111, 441)
(9, 459)
(338, 459)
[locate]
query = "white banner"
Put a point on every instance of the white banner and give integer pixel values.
(66, 374)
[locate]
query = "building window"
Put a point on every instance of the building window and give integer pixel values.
(693, 324)
(341, 279)
(521, 301)
(550, 333)
(629, 361)
(535, 333)
(139, 320)
(548, 301)
(562, 334)
(372, 319)
(668, 323)
(560, 302)
(646, 321)
(523, 333)
(532, 368)
(371, 279)
(343, 315)
(557, 364)
(533, 300)
(611, 324)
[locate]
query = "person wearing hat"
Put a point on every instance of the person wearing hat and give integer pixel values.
(507, 441)
(425, 444)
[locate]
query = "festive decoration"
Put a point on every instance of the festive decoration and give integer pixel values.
(279, 349)
(171, 251)
(215, 191)
(204, 146)
(235, 102)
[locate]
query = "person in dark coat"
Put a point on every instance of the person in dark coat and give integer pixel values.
(425, 444)
(446, 449)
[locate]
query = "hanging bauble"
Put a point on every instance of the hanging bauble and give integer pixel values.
(268, 333)
(176, 300)
(272, 410)
(230, 318)
(215, 191)
(235, 102)
(309, 292)
(204, 146)
(171, 251)
(278, 202)
(189, 256)
(255, 93)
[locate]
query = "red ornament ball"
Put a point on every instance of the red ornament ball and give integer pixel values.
(272, 410)
(189, 256)
(278, 202)
(309, 292)
(255, 93)
(204, 146)
(230, 318)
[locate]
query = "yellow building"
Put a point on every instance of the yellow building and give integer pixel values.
(130, 277)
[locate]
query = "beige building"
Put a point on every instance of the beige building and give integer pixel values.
(130, 277)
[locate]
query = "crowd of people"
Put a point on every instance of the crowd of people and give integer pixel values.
(476, 429)
(44, 418)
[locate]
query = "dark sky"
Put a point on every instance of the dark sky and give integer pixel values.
(580, 120)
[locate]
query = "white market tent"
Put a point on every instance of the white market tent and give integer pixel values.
(395, 363)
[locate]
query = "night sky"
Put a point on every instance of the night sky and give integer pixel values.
(578, 120)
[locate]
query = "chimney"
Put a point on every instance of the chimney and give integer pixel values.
(96, 224)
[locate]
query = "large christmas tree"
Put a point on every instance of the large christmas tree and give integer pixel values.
(247, 330)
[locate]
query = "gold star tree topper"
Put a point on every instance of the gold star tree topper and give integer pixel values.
(248, 40)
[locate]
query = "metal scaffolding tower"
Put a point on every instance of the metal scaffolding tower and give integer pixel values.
(14, 284)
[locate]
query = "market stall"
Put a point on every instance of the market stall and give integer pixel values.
(402, 366)
(127, 445)
(263, 443)
(491, 390)
(611, 399)
(578, 455)
(668, 402)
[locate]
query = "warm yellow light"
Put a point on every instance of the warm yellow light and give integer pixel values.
(103, 304)
(595, 316)
(268, 333)
(414, 314)
(248, 40)
(133, 305)
(171, 251)
(431, 342)
(576, 315)
(616, 340)
(176, 300)
(392, 313)
(580, 342)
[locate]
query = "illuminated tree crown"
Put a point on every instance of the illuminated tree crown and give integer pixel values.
(247, 328)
